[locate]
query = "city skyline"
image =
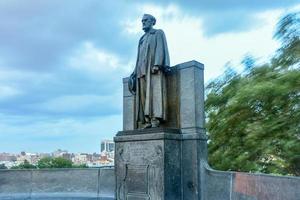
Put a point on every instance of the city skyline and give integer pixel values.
(99, 150)
(104, 157)
(62, 63)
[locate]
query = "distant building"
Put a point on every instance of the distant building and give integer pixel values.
(67, 156)
(82, 158)
(59, 153)
(7, 157)
(107, 146)
(105, 158)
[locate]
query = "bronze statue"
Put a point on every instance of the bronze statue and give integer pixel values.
(148, 81)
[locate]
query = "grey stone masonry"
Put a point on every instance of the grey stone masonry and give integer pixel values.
(148, 164)
(190, 92)
(166, 161)
(57, 184)
(170, 162)
(128, 107)
(185, 94)
(249, 186)
(160, 164)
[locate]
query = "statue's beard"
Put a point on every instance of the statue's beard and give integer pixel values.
(146, 29)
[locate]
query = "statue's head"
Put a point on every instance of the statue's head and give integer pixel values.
(148, 22)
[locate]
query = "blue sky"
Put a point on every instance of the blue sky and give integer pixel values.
(62, 62)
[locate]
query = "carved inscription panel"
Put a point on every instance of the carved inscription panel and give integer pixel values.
(139, 170)
(137, 182)
(141, 153)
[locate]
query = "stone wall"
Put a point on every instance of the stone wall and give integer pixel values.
(222, 185)
(100, 184)
(185, 99)
(58, 184)
(198, 181)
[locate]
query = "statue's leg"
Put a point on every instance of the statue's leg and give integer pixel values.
(158, 99)
(157, 108)
(144, 119)
(155, 122)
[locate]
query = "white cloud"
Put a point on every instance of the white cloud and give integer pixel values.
(75, 135)
(91, 59)
(73, 88)
(186, 40)
(13, 76)
(80, 104)
(16, 82)
(8, 91)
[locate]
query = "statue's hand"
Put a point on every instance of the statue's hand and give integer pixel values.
(132, 83)
(155, 69)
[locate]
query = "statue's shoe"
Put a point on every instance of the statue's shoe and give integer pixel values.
(147, 125)
(155, 123)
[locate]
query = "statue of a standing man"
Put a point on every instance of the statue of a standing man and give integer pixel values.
(148, 81)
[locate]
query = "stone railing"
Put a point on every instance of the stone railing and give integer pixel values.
(220, 185)
(100, 184)
(57, 184)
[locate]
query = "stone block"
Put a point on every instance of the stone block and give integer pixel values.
(172, 99)
(185, 99)
(190, 169)
(262, 186)
(191, 96)
(75, 182)
(107, 182)
(218, 185)
(148, 166)
(126, 92)
(15, 184)
(128, 107)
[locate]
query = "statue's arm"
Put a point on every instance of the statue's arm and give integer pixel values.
(137, 57)
(132, 83)
(161, 59)
(133, 76)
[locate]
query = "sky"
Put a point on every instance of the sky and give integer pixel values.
(62, 62)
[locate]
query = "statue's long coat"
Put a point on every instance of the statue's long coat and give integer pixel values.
(152, 51)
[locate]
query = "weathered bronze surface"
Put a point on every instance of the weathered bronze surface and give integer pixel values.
(148, 81)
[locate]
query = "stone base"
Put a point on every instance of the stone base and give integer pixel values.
(148, 164)
(158, 164)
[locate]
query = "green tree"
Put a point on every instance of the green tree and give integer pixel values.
(58, 162)
(79, 166)
(24, 165)
(2, 166)
(61, 163)
(253, 117)
(288, 32)
(45, 163)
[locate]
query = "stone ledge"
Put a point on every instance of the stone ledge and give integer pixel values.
(149, 136)
(189, 64)
(90, 183)
(158, 134)
(149, 131)
(227, 185)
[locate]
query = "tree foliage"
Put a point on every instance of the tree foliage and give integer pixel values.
(79, 166)
(254, 117)
(288, 32)
(49, 162)
(2, 166)
(24, 165)
(58, 162)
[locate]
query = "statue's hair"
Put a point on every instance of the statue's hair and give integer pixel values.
(151, 17)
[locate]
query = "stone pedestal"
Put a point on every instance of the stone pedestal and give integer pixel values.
(165, 163)
(185, 99)
(159, 164)
(148, 164)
